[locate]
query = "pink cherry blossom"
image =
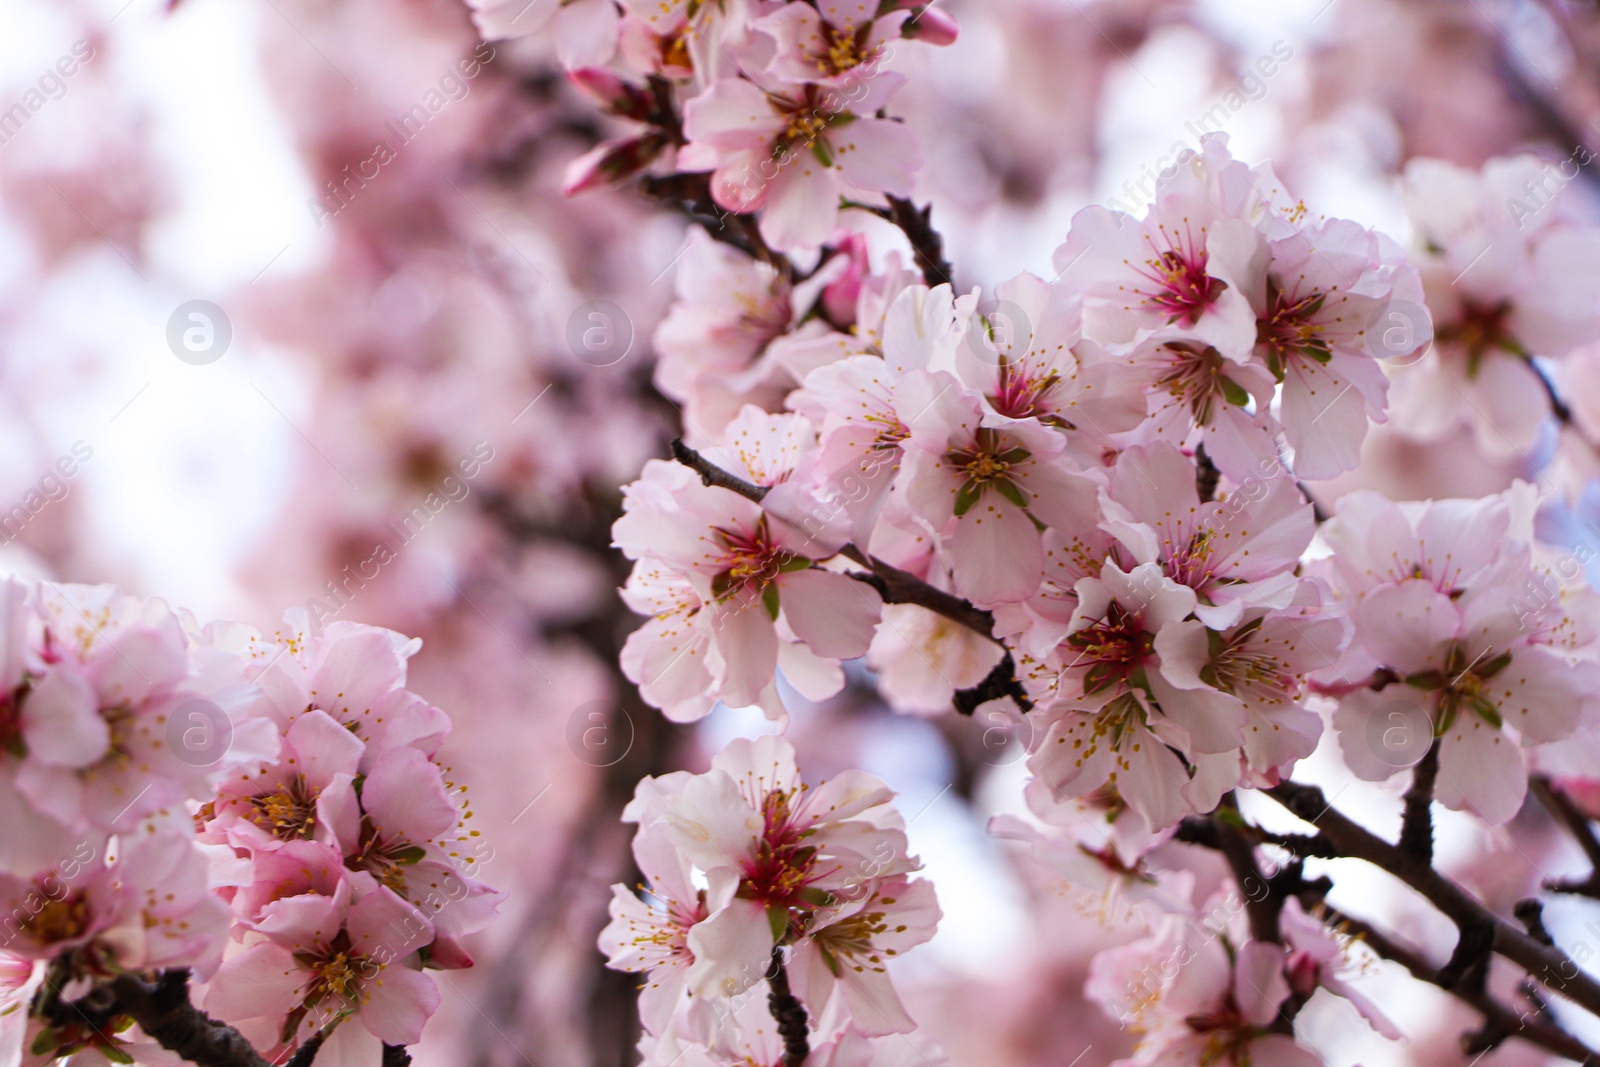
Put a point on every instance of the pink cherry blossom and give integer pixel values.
(1181, 266)
(344, 957)
(793, 154)
(984, 489)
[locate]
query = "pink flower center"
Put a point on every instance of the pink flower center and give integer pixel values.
(1290, 328)
(1178, 282)
(1021, 395)
(750, 561)
(1196, 378)
(1115, 647)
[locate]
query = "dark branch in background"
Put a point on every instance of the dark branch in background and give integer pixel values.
(691, 194)
(306, 1053)
(788, 1013)
(1206, 475)
(1577, 823)
(1560, 408)
(396, 1056)
(999, 682)
(1500, 1021)
(597, 840)
(1262, 910)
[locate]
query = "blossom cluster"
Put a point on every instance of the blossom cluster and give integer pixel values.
(1111, 465)
(782, 102)
(265, 814)
(749, 870)
(1080, 503)
(1034, 452)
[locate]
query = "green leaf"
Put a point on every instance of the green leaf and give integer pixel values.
(115, 1054)
(1233, 392)
(967, 496)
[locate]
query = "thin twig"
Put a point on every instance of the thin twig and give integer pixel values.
(896, 585)
(1577, 823)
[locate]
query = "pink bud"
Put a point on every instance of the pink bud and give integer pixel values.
(447, 955)
(931, 26)
(612, 93)
(1302, 972)
(841, 295)
(611, 162)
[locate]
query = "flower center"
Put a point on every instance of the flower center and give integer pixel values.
(288, 812)
(1480, 330)
(1115, 646)
(1179, 283)
(1019, 395)
(1290, 329)
(1195, 379)
(58, 920)
(843, 52)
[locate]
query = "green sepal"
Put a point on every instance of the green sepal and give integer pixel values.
(819, 148)
(778, 920)
(1425, 680)
(1494, 666)
(967, 496)
(407, 856)
(46, 1041)
(1011, 491)
(769, 598)
(1233, 392)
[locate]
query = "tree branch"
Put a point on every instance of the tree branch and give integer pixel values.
(917, 224)
(691, 194)
(1500, 1020)
(788, 1013)
(1544, 963)
(1577, 823)
(1416, 825)
(163, 1011)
